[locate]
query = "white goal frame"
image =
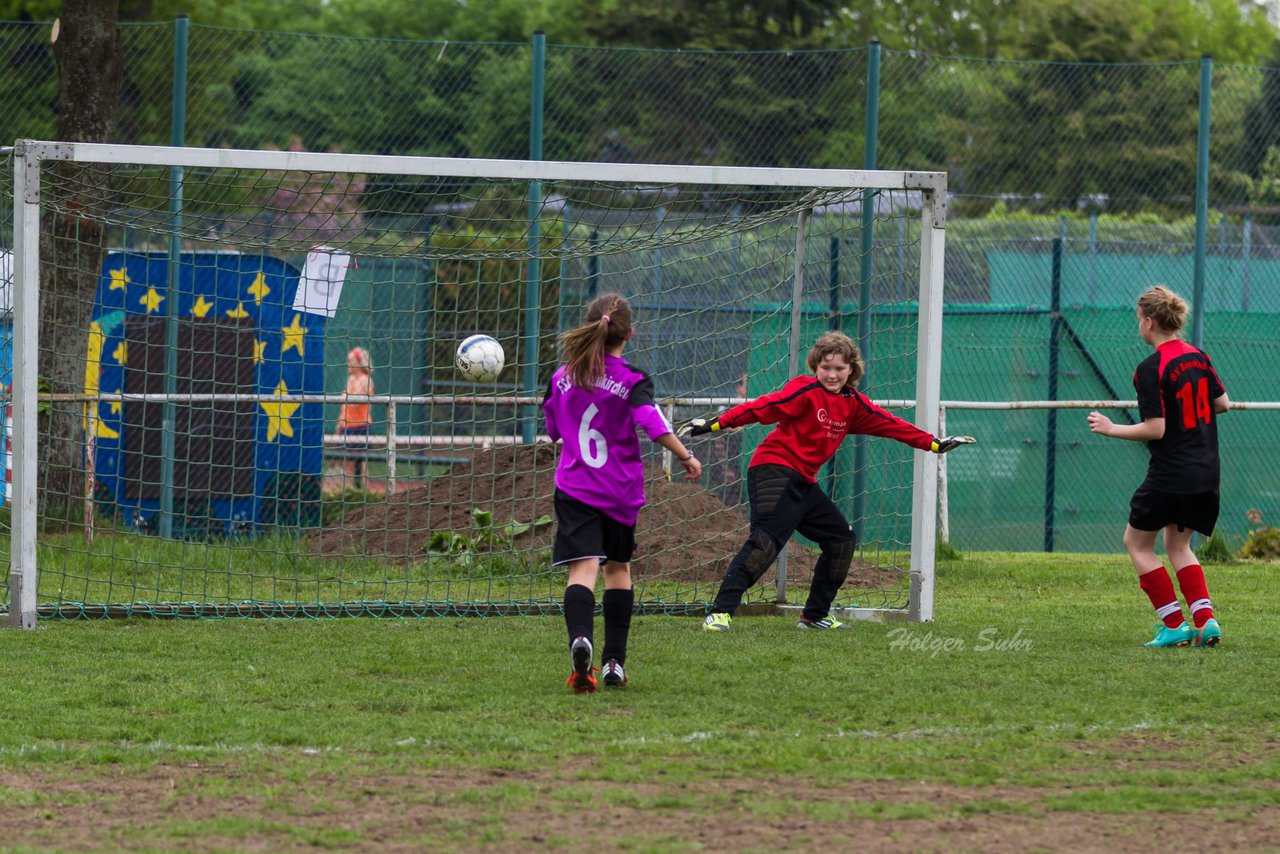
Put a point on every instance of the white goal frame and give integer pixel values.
(29, 155)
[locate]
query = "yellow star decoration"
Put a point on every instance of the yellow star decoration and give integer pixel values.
(103, 431)
(121, 353)
(93, 364)
(115, 405)
(200, 307)
(279, 413)
(119, 280)
(92, 373)
(151, 300)
(259, 351)
(237, 312)
(293, 335)
(259, 289)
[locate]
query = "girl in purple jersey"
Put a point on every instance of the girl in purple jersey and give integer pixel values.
(594, 404)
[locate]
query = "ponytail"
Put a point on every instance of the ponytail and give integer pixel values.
(607, 324)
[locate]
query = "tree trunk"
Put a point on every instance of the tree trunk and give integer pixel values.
(73, 237)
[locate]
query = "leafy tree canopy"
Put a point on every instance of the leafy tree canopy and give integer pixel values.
(455, 20)
(1149, 31)
(1065, 30)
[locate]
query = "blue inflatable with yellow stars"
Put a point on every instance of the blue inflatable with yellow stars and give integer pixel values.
(238, 465)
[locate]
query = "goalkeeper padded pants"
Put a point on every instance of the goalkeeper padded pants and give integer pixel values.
(783, 502)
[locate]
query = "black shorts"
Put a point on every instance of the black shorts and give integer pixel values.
(356, 438)
(582, 531)
(1151, 510)
(783, 502)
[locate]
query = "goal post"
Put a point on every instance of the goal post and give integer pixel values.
(208, 465)
(924, 524)
(24, 382)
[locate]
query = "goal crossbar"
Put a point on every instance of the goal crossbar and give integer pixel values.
(451, 167)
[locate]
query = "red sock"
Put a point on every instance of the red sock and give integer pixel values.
(1159, 590)
(1196, 592)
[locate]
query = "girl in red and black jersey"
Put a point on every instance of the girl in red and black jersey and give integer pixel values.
(1179, 399)
(813, 414)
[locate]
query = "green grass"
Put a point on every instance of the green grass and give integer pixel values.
(1033, 675)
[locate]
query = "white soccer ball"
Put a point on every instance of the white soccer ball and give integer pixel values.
(480, 359)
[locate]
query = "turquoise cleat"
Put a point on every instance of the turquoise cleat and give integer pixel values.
(1165, 636)
(1210, 634)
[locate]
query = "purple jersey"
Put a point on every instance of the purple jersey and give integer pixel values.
(600, 461)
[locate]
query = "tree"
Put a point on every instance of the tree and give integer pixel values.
(1261, 123)
(90, 71)
(1100, 116)
(714, 24)
(957, 27)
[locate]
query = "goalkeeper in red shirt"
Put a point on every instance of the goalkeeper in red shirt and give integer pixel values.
(813, 414)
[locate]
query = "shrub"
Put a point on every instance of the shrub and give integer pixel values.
(1263, 542)
(1216, 550)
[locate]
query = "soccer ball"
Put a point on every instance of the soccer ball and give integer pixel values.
(480, 359)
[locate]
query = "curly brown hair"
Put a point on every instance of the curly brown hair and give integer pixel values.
(837, 342)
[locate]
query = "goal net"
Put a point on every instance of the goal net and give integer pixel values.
(234, 390)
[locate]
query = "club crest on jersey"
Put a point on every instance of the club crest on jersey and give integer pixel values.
(834, 428)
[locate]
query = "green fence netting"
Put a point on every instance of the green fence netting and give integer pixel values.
(1100, 156)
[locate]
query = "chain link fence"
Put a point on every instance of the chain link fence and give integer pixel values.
(1101, 158)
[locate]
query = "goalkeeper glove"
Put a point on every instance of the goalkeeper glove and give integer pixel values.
(950, 443)
(699, 426)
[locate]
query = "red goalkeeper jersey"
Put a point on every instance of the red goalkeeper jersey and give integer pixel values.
(812, 422)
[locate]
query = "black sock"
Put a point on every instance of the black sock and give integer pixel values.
(579, 611)
(617, 608)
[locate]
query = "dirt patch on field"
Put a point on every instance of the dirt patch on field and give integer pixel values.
(685, 532)
(1136, 750)
(195, 808)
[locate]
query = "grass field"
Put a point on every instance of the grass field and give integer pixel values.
(1027, 715)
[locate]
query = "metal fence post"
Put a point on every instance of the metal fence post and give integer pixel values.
(793, 363)
(533, 269)
(1202, 201)
(391, 449)
(566, 236)
(834, 322)
(178, 136)
(944, 500)
(872, 130)
(1246, 239)
(1051, 418)
(1093, 257)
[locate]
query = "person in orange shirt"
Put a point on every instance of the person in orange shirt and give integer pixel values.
(354, 418)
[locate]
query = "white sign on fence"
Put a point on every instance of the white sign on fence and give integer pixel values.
(321, 282)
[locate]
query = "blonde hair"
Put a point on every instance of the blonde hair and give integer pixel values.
(837, 342)
(358, 357)
(607, 324)
(1167, 309)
